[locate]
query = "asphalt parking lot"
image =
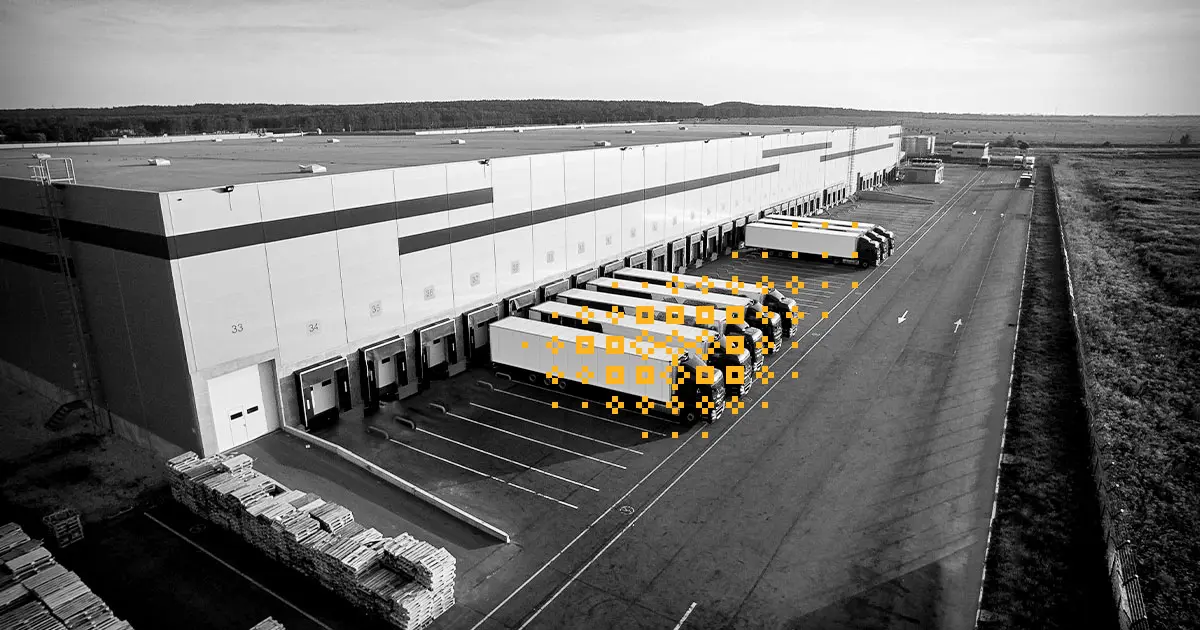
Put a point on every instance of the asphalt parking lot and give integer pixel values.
(855, 483)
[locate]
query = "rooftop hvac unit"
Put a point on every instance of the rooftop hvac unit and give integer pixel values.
(458, 141)
(158, 162)
(518, 130)
(787, 130)
(631, 131)
(312, 168)
(746, 133)
(218, 140)
(332, 141)
(602, 143)
(277, 140)
(683, 128)
(41, 156)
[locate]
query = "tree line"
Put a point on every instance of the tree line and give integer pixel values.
(76, 125)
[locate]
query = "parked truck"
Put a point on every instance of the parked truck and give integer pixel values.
(1018, 162)
(1030, 161)
(885, 238)
(1025, 180)
(833, 245)
(707, 345)
(752, 330)
(772, 298)
(985, 161)
(681, 387)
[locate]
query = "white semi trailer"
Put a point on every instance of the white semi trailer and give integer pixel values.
(881, 243)
(885, 234)
(680, 387)
(843, 247)
(707, 345)
(751, 329)
(772, 298)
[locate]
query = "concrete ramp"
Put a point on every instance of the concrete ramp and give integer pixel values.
(879, 195)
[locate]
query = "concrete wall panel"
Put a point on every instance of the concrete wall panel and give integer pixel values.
(306, 290)
(295, 197)
(228, 303)
(210, 209)
(633, 214)
(675, 203)
(369, 264)
(356, 190)
(655, 205)
(428, 283)
(693, 217)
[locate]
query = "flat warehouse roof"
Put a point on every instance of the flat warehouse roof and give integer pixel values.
(205, 163)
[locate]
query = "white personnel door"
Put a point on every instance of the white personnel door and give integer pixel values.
(237, 406)
(387, 371)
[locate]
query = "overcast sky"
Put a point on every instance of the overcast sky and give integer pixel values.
(995, 56)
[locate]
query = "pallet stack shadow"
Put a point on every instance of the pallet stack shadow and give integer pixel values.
(37, 593)
(403, 580)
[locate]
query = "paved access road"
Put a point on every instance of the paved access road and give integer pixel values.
(861, 496)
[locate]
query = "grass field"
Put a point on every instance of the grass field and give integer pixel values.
(1132, 233)
(1036, 130)
(1046, 560)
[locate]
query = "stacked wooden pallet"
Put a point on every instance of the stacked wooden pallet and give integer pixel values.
(37, 592)
(65, 526)
(404, 580)
(268, 624)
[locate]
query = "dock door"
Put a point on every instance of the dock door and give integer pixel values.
(658, 258)
(477, 332)
(440, 355)
(518, 305)
(324, 392)
(636, 261)
(712, 242)
(739, 233)
(386, 373)
(677, 256)
(695, 250)
(727, 238)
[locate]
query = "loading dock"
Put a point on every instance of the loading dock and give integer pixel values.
(677, 260)
(726, 238)
(695, 250)
(386, 373)
(239, 414)
(518, 305)
(583, 277)
(739, 233)
(658, 258)
(440, 356)
(477, 332)
(712, 242)
(549, 290)
(636, 261)
(608, 268)
(324, 391)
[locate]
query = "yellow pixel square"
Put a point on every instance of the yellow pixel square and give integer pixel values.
(824, 254)
(764, 404)
(645, 434)
(614, 284)
(854, 224)
(824, 285)
(614, 344)
(553, 315)
(704, 314)
(795, 224)
(704, 434)
(645, 285)
(585, 344)
(795, 344)
(853, 285)
(675, 315)
(824, 314)
(735, 374)
(735, 254)
(795, 254)
(585, 404)
(674, 435)
(614, 374)
(824, 225)
(795, 375)
(524, 344)
(644, 375)
(554, 405)
(705, 374)
(735, 314)
(764, 254)
(645, 315)
(734, 344)
(854, 254)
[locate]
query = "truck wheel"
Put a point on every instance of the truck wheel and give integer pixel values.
(864, 264)
(562, 384)
(690, 417)
(533, 377)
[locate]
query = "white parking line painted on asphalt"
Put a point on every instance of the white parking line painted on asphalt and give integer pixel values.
(505, 459)
(582, 413)
(578, 435)
(535, 441)
(945, 210)
(481, 473)
(685, 616)
(235, 570)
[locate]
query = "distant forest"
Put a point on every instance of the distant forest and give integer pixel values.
(75, 125)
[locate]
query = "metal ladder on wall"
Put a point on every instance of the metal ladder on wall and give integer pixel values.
(53, 174)
(851, 180)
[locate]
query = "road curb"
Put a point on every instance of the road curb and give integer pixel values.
(400, 483)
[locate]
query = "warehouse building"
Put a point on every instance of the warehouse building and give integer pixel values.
(205, 293)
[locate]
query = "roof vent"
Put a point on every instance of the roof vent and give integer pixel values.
(312, 168)
(518, 130)
(746, 133)
(787, 130)
(332, 141)
(218, 139)
(579, 127)
(631, 131)
(158, 162)
(458, 141)
(277, 140)
(602, 143)
(41, 156)
(683, 128)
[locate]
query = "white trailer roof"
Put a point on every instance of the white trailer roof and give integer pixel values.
(714, 298)
(617, 299)
(569, 335)
(623, 320)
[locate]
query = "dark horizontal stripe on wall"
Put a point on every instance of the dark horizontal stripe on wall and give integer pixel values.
(133, 241)
(858, 151)
(458, 234)
(24, 221)
(33, 258)
(803, 148)
(894, 135)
